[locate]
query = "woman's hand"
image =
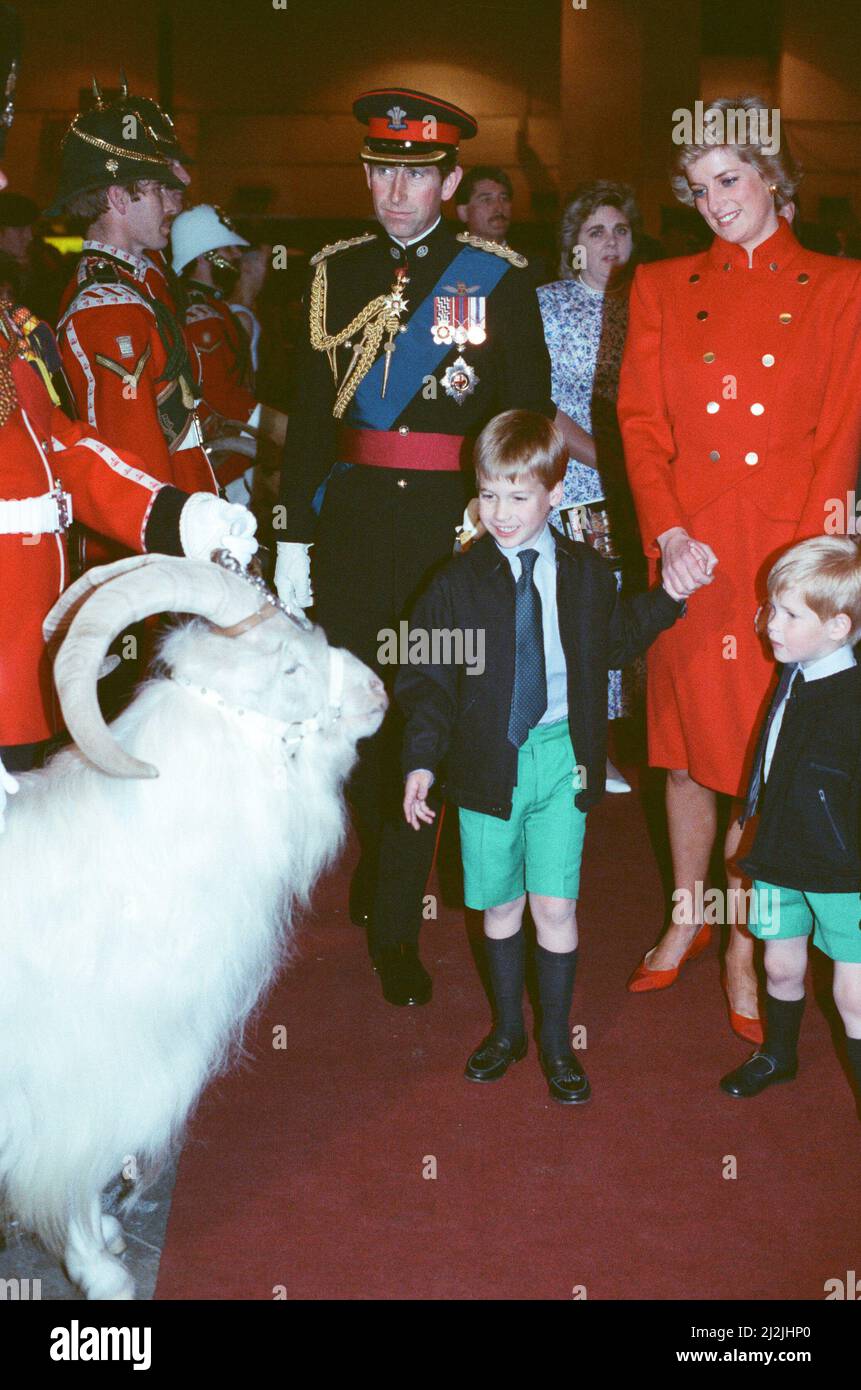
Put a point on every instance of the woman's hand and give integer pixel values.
(686, 564)
(416, 808)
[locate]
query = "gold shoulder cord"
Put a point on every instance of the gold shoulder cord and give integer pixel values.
(373, 321)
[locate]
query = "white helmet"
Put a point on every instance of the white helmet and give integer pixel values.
(197, 231)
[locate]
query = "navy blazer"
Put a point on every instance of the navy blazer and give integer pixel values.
(809, 832)
(457, 723)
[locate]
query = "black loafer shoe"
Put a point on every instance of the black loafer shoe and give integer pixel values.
(567, 1082)
(402, 975)
(492, 1058)
(759, 1071)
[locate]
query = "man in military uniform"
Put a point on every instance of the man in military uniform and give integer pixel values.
(105, 487)
(206, 251)
(123, 350)
(417, 338)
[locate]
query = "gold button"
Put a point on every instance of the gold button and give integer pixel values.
(692, 279)
(785, 318)
(768, 360)
(773, 265)
(402, 482)
(714, 456)
(708, 357)
(703, 314)
(403, 429)
(712, 407)
(751, 457)
(803, 278)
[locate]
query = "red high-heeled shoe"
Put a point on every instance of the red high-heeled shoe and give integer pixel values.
(750, 1029)
(644, 979)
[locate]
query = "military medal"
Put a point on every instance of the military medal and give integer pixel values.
(459, 316)
(459, 380)
(395, 306)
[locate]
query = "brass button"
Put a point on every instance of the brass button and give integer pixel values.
(751, 457)
(403, 429)
(714, 456)
(708, 357)
(692, 279)
(712, 407)
(402, 482)
(757, 409)
(773, 265)
(394, 253)
(703, 314)
(768, 360)
(422, 251)
(785, 318)
(803, 278)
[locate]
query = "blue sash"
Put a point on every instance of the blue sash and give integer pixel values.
(416, 355)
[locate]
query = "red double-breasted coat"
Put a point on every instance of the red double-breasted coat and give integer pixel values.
(39, 447)
(740, 409)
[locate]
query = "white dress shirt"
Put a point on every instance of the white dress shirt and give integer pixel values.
(544, 575)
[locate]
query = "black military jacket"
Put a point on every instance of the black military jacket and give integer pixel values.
(512, 364)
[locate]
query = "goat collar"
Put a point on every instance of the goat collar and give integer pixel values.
(288, 733)
(252, 620)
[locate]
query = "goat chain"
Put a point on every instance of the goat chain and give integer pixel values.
(256, 581)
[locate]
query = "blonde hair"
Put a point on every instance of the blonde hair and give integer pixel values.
(779, 170)
(826, 570)
(521, 444)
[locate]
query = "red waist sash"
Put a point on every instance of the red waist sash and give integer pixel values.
(432, 453)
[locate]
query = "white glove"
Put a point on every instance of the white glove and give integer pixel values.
(293, 573)
(206, 523)
(8, 787)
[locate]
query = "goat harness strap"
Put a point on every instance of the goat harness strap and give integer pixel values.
(278, 730)
(251, 621)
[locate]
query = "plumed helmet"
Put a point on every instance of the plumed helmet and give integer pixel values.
(105, 147)
(200, 229)
(10, 61)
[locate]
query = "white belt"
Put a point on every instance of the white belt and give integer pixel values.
(36, 516)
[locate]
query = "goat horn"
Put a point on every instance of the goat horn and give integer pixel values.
(120, 595)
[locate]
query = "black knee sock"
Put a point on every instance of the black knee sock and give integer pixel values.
(556, 970)
(782, 1026)
(853, 1047)
(505, 959)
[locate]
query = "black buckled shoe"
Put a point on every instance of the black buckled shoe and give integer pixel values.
(402, 975)
(759, 1071)
(492, 1058)
(567, 1082)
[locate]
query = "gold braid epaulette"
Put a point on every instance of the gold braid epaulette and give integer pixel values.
(495, 248)
(341, 246)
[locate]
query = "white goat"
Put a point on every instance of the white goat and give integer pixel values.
(141, 919)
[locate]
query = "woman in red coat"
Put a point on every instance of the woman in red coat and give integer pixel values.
(740, 408)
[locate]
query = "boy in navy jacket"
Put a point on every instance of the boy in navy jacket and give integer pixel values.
(805, 860)
(522, 731)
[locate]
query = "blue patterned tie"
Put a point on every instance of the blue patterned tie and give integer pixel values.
(529, 699)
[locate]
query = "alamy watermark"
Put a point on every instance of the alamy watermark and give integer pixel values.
(709, 125)
(437, 646)
(718, 907)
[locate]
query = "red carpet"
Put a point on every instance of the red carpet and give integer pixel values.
(305, 1169)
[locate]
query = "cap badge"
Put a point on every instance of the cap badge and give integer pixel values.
(459, 380)
(396, 118)
(112, 165)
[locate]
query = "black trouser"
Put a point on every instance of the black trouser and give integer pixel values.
(22, 757)
(380, 535)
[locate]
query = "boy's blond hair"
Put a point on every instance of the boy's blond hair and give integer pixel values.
(826, 570)
(521, 444)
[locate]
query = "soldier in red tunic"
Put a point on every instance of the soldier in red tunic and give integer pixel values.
(50, 467)
(740, 408)
(206, 253)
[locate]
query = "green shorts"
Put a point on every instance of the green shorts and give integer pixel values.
(539, 848)
(779, 913)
